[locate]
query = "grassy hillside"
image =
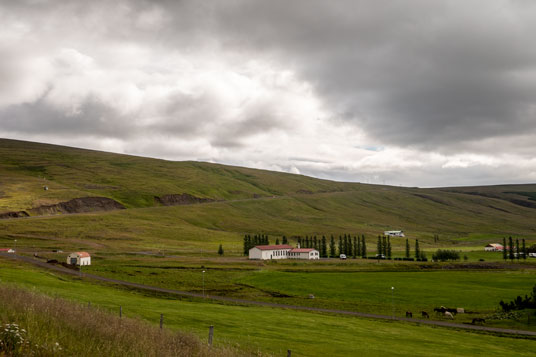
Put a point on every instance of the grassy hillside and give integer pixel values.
(248, 201)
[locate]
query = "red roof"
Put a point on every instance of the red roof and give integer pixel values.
(273, 247)
(5, 249)
(83, 254)
(302, 250)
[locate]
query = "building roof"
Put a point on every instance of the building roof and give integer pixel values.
(495, 245)
(273, 247)
(83, 254)
(5, 249)
(302, 250)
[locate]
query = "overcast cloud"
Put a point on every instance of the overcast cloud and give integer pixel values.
(417, 93)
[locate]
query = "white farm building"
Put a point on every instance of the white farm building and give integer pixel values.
(394, 233)
(282, 251)
(79, 258)
(494, 247)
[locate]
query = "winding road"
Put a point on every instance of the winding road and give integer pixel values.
(261, 303)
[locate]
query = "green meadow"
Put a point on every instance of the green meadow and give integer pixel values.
(270, 330)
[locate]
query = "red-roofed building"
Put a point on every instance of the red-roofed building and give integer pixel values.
(79, 258)
(7, 250)
(282, 251)
(303, 253)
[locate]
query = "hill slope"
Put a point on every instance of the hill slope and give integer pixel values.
(236, 200)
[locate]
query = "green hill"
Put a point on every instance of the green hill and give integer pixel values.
(234, 201)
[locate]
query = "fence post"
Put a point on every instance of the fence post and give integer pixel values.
(289, 353)
(161, 321)
(120, 311)
(210, 335)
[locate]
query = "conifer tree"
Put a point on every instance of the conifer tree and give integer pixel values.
(389, 248)
(315, 243)
(285, 241)
(220, 250)
(363, 247)
(384, 245)
(299, 241)
(407, 248)
(355, 248)
(246, 246)
(358, 246)
(511, 247)
(417, 250)
(350, 248)
(379, 247)
(524, 250)
(504, 249)
(324, 248)
(266, 240)
(277, 241)
(332, 247)
(517, 248)
(340, 246)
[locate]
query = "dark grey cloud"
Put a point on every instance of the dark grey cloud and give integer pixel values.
(436, 85)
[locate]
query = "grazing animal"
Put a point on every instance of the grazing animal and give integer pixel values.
(425, 314)
(448, 314)
(409, 314)
(478, 320)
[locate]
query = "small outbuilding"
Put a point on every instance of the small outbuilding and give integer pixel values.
(394, 233)
(7, 250)
(303, 253)
(494, 247)
(79, 258)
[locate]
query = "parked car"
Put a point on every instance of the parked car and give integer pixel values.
(342, 256)
(380, 256)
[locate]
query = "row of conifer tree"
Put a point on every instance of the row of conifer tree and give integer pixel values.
(512, 251)
(354, 247)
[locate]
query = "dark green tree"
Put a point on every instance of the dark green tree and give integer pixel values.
(350, 248)
(417, 250)
(220, 250)
(511, 248)
(246, 245)
(355, 248)
(285, 241)
(324, 248)
(379, 247)
(407, 248)
(389, 252)
(277, 241)
(363, 247)
(300, 242)
(315, 243)
(345, 245)
(517, 248)
(332, 247)
(358, 246)
(524, 248)
(340, 246)
(384, 245)
(504, 249)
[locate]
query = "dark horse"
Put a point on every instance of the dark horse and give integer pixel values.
(425, 314)
(409, 314)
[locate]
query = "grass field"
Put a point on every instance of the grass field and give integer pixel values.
(273, 330)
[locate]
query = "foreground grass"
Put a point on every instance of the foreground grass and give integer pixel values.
(273, 330)
(56, 327)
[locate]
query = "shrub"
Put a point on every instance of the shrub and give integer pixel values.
(446, 255)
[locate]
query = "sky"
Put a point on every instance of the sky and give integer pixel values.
(410, 92)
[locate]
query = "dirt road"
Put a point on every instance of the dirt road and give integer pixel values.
(261, 303)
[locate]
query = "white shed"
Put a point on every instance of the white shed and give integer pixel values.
(79, 258)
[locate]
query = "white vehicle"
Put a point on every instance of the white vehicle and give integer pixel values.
(342, 256)
(532, 255)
